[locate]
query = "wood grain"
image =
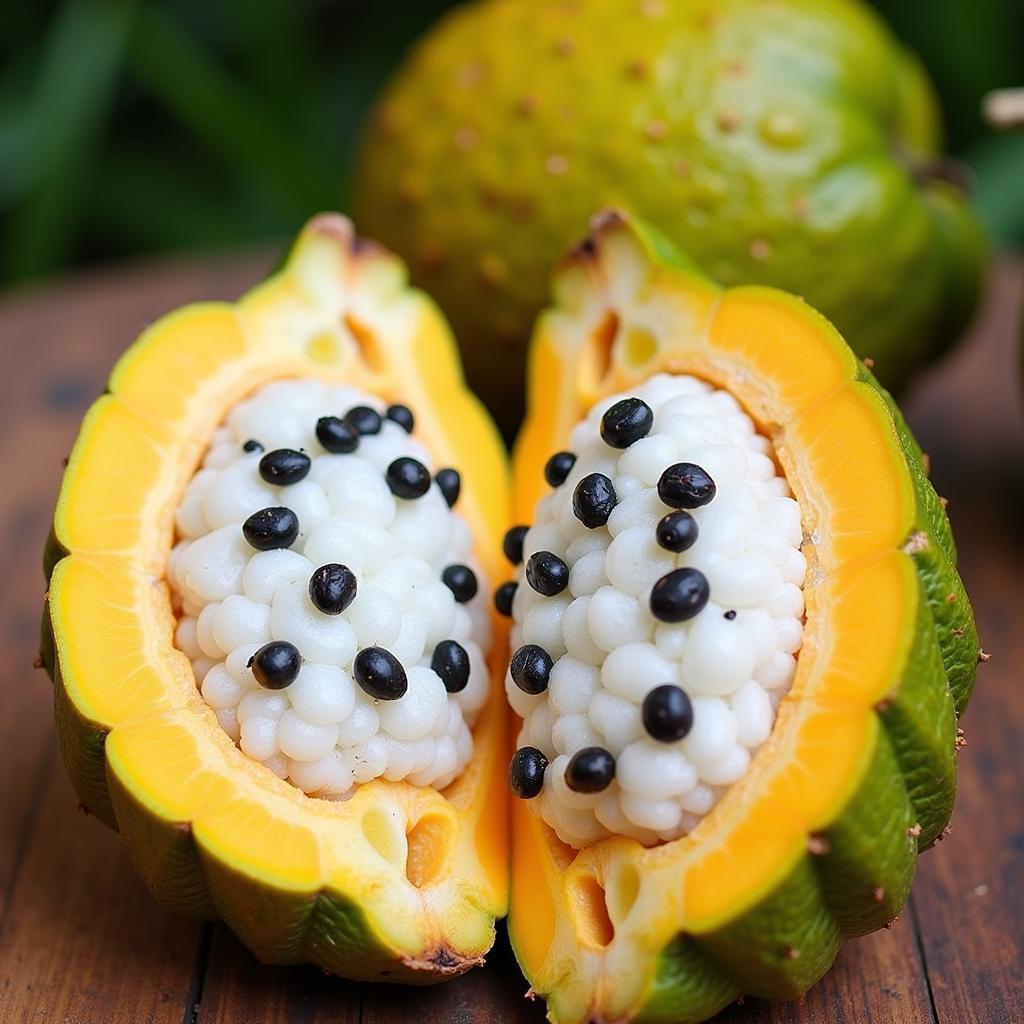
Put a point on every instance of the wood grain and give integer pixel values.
(82, 942)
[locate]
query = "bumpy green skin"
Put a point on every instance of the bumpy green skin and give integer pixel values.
(856, 874)
(783, 144)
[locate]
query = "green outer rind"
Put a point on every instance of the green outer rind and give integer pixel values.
(324, 927)
(856, 873)
(791, 144)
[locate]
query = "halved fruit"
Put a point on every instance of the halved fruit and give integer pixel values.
(817, 842)
(397, 882)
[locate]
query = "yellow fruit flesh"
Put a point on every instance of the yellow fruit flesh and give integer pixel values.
(616, 905)
(428, 870)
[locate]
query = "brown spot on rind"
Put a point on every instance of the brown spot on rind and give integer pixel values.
(878, 894)
(869, 362)
(527, 105)
(917, 541)
(818, 845)
(915, 830)
(656, 130)
(556, 165)
(728, 120)
(759, 249)
(443, 961)
(637, 68)
(465, 139)
(565, 47)
(792, 953)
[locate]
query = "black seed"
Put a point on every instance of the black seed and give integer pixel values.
(593, 500)
(332, 588)
(461, 581)
(530, 668)
(558, 467)
(590, 770)
(677, 531)
(252, 445)
(380, 674)
(667, 713)
(685, 485)
(626, 422)
(407, 478)
(402, 415)
(284, 466)
(275, 665)
(451, 662)
(364, 419)
(679, 595)
(450, 483)
(547, 573)
(526, 772)
(730, 614)
(503, 597)
(512, 545)
(336, 435)
(271, 528)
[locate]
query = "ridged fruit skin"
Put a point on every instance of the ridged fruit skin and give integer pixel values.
(855, 873)
(782, 143)
(209, 834)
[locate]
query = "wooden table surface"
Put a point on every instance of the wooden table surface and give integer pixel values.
(81, 941)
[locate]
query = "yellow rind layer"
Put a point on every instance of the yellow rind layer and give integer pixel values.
(818, 842)
(399, 882)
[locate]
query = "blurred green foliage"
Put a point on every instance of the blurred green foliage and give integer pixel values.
(129, 126)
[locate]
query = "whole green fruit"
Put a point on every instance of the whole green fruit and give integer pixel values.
(787, 142)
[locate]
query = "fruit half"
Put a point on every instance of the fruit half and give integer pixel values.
(817, 841)
(399, 882)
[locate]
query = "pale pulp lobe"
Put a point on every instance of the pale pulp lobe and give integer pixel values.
(314, 578)
(657, 614)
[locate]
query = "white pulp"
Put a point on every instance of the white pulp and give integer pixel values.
(322, 732)
(609, 651)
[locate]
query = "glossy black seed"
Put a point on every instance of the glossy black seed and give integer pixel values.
(593, 500)
(512, 545)
(679, 595)
(626, 422)
(667, 713)
(407, 478)
(332, 588)
(337, 436)
(590, 770)
(275, 665)
(461, 581)
(558, 467)
(503, 597)
(450, 483)
(364, 419)
(451, 662)
(402, 415)
(284, 466)
(252, 445)
(685, 485)
(547, 573)
(271, 528)
(530, 668)
(526, 772)
(730, 614)
(380, 674)
(677, 531)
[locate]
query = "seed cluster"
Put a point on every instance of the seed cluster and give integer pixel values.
(326, 592)
(657, 612)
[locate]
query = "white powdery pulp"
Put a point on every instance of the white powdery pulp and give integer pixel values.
(609, 651)
(322, 732)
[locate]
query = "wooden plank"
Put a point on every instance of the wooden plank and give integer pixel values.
(80, 939)
(968, 899)
(83, 941)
